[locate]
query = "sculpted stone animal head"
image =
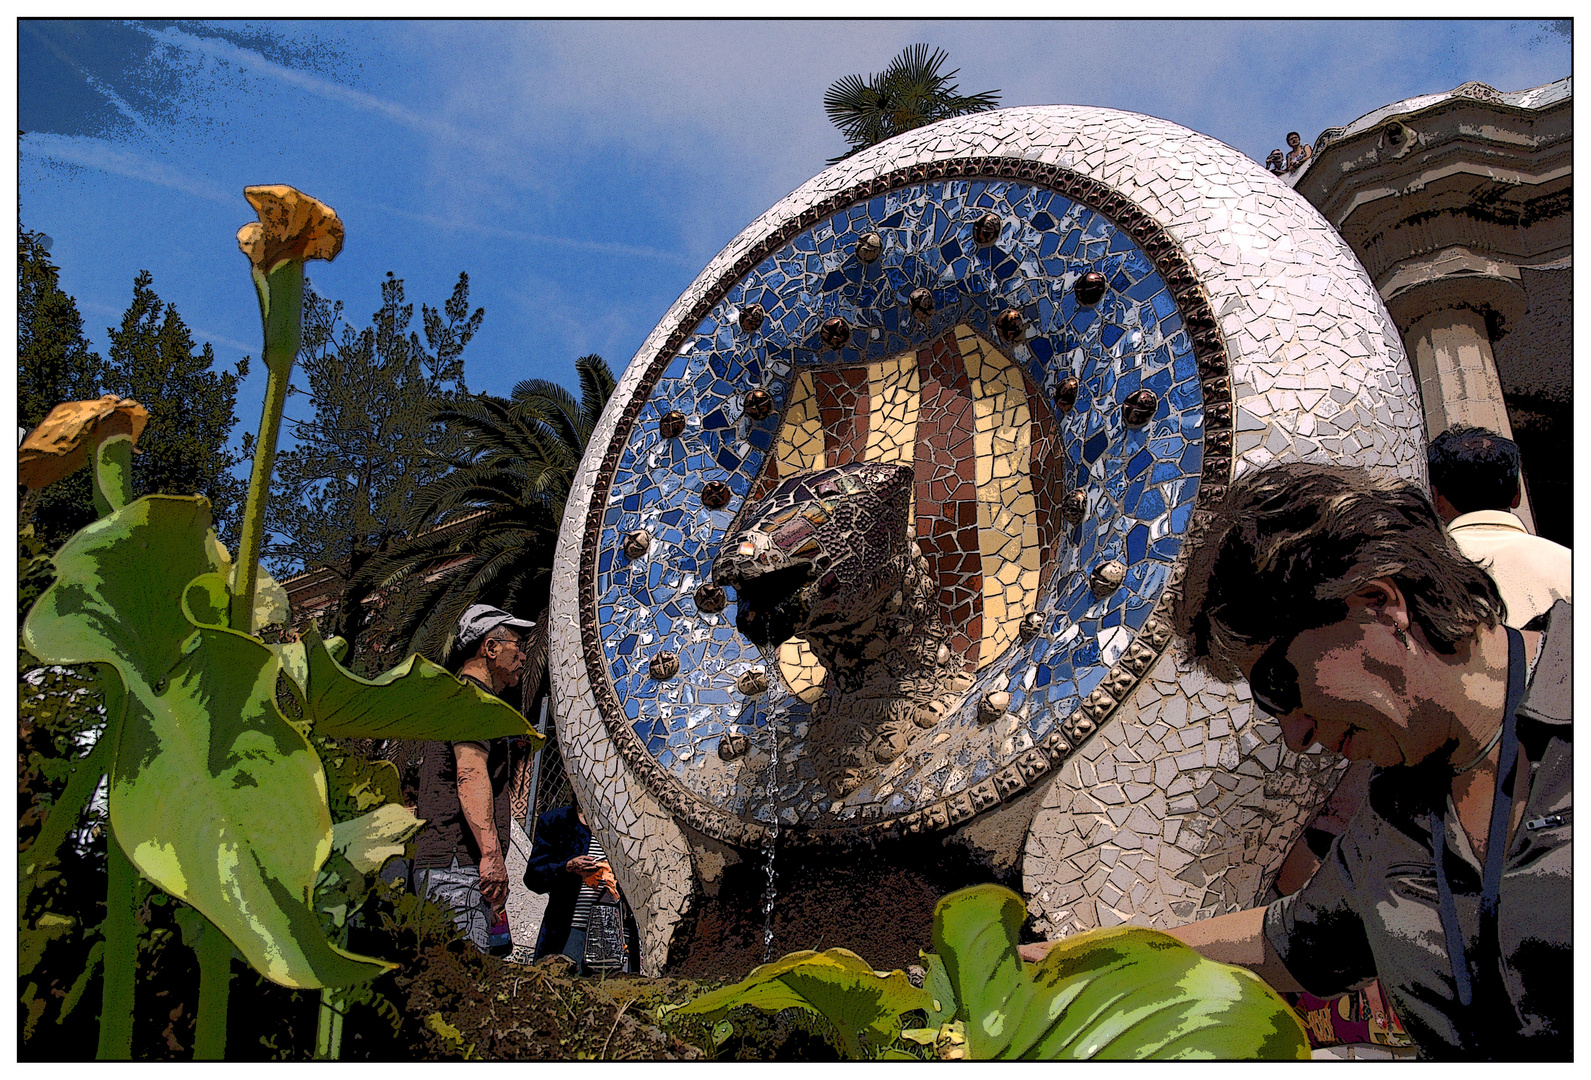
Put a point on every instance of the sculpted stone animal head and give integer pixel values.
(822, 553)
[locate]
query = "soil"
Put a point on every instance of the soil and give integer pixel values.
(877, 901)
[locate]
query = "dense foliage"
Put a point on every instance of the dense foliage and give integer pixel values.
(152, 360)
(495, 515)
(369, 439)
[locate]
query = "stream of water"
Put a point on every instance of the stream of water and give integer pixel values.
(770, 843)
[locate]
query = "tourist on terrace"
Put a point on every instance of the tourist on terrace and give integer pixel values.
(1359, 627)
(1298, 152)
(1276, 162)
(1475, 485)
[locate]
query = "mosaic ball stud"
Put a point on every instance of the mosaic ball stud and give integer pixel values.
(1010, 324)
(835, 333)
(1090, 288)
(752, 683)
(869, 247)
(922, 304)
(715, 495)
(664, 666)
(1032, 624)
(710, 599)
(751, 317)
(1107, 577)
(993, 706)
(758, 404)
(1073, 507)
(1066, 393)
(637, 543)
(732, 746)
(671, 425)
(986, 230)
(1139, 407)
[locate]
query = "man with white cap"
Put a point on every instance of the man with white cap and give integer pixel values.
(459, 856)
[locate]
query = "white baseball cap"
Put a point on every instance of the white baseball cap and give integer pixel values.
(481, 619)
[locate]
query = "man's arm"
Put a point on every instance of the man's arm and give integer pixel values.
(475, 801)
(1238, 939)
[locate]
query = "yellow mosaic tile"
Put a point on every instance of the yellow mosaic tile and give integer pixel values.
(1008, 534)
(801, 436)
(801, 670)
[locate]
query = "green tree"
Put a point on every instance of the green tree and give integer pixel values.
(184, 451)
(909, 93)
(54, 364)
(504, 498)
(370, 440)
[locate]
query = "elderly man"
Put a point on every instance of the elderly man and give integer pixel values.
(464, 793)
(1475, 485)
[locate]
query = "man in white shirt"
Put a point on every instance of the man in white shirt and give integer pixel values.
(1475, 485)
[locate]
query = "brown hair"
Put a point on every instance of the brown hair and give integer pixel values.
(1290, 543)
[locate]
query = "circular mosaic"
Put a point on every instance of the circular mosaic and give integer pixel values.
(1034, 358)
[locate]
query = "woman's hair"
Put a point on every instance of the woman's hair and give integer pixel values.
(1290, 543)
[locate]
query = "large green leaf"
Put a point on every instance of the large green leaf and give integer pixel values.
(415, 700)
(863, 1007)
(214, 796)
(1124, 993)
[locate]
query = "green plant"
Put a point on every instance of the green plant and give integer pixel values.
(910, 92)
(862, 1008)
(1126, 993)
(215, 796)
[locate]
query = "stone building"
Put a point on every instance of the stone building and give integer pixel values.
(1459, 207)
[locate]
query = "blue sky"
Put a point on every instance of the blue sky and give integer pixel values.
(584, 172)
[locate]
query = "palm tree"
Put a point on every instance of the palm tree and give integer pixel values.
(909, 93)
(486, 531)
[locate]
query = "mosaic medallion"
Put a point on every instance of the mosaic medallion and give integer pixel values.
(928, 319)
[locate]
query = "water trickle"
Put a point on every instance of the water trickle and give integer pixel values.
(770, 842)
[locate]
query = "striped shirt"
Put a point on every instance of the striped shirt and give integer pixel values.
(604, 931)
(588, 895)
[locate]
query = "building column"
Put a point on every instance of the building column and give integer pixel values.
(1457, 373)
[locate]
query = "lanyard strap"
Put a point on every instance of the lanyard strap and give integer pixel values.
(1496, 841)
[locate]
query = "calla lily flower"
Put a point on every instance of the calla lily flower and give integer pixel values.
(292, 226)
(60, 445)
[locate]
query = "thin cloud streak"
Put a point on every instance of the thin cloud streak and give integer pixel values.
(323, 88)
(95, 154)
(599, 246)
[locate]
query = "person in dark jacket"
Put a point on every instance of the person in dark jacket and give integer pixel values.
(568, 864)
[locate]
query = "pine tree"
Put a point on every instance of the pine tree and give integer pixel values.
(370, 440)
(184, 449)
(54, 364)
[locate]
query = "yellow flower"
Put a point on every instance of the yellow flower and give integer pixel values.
(292, 225)
(59, 446)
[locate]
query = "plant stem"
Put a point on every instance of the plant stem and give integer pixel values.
(329, 1028)
(121, 956)
(63, 817)
(112, 472)
(281, 296)
(215, 989)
